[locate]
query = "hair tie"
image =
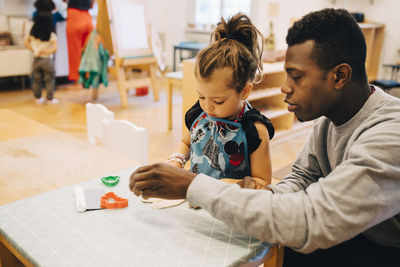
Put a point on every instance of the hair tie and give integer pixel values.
(226, 35)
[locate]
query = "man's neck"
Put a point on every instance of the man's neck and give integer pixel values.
(354, 97)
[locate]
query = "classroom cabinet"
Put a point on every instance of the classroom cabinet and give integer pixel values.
(268, 98)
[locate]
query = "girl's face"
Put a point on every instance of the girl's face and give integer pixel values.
(217, 99)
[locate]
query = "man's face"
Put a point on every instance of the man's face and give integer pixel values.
(309, 93)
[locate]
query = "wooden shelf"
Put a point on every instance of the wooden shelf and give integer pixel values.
(263, 93)
(268, 98)
(274, 113)
(270, 68)
(374, 34)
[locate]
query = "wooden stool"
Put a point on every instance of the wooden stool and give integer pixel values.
(173, 79)
(146, 63)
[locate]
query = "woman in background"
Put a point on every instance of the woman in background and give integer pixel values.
(79, 26)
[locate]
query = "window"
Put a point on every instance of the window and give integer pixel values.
(211, 11)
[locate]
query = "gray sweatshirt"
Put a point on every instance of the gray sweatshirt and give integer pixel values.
(345, 181)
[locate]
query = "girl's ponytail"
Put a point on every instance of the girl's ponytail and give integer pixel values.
(235, 44)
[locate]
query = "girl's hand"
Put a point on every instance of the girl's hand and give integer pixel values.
(194, 207)
(252, 183)
(175, 164)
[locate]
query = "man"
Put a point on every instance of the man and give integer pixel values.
(340, 206)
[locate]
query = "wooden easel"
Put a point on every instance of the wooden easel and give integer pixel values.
(122, 64)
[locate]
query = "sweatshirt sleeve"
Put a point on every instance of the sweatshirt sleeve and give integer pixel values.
(361, 192)
(305, 170)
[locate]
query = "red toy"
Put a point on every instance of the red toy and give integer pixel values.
(115, 203)
(142, 91)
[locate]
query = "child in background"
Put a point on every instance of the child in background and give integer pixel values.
(46, 6)
(51, 7)
(42, 40)
(227, 138)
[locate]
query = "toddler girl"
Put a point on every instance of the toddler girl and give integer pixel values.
(226, 138)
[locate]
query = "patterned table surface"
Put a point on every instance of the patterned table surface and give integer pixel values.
(48, 231)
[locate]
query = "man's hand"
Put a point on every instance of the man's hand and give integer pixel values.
(161, 180)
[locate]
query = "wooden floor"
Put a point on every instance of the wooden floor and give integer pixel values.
(69, 116)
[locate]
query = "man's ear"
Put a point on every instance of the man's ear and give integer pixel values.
(246, 90)
(342, 75)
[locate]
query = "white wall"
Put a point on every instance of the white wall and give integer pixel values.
(384, 11)
(169, 18)
(17, 7)
(288, 9)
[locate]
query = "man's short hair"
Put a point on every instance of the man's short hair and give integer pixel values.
(338, 39)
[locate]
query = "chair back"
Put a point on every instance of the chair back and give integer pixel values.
(95, 113)
(125, 137)
(387, 84)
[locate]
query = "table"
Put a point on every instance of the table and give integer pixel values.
(193, 47)
(48, 231)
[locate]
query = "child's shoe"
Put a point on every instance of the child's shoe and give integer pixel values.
(40, 101)
(53, 101)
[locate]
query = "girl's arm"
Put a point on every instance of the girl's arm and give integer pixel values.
(52, 49)
(260, 159)
(27, 42)
(183, 148)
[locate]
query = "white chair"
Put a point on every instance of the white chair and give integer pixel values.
(126, 138)
(95, 113)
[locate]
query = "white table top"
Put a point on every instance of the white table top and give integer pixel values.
(48, 231)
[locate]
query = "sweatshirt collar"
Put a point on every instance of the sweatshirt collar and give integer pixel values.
(362, 114)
